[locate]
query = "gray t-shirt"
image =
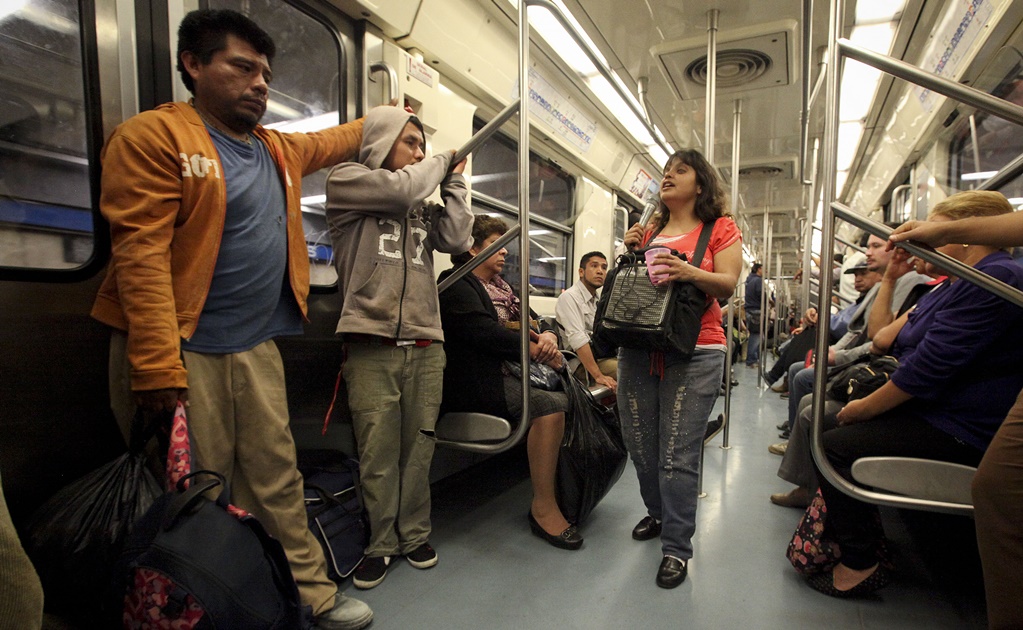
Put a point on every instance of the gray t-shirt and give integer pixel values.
(250, 298)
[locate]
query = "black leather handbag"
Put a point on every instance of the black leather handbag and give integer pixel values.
(633, 313)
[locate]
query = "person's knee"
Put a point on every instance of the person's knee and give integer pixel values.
(986, 484)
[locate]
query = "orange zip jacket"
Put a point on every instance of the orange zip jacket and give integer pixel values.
(164, 196)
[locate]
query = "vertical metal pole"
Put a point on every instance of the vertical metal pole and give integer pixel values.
(524, 201)
(974, 143)
(712, 76)
(913, 191)
(730, 347)
(712, 83)
(784, 308)
(764, 253)
(804, 118)
(830, 149)
(811, 215)
(765, 313)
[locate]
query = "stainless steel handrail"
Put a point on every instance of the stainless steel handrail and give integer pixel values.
(841, 298)
(488, 130)
(1010, 172)
(806, 10)
(947, 263)
(522, 231)
(837, 48)
(962, 93)
(392, 76)
(478, 259)
(601, 68)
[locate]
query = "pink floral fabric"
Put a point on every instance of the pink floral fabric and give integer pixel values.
(146, 605)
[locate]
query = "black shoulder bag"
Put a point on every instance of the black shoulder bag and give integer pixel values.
(633, 313)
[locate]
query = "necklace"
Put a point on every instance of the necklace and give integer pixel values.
(247, 139)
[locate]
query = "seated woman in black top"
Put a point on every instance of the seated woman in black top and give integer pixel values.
(474, 312)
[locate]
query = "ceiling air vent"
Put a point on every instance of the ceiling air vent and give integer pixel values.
(764, 172)
(735, 68)
(748, 58)
(774, 169)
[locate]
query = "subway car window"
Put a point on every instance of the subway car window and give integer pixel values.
(977, 157)
(46, 217)
(495, 166)
(495, 186)
(304, 96)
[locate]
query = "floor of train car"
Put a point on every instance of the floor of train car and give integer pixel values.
(493, 573)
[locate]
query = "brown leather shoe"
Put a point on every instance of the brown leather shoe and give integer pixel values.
(795, 498)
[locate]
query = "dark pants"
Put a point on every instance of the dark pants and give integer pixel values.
(795, 352)
(889, 434)
(998, 512)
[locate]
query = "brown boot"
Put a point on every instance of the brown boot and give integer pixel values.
(795, 498)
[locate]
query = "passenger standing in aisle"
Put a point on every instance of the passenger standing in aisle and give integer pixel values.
(575, 310)
(998, 484)
(384, 236)
(754, 291)
(665, 399)
(209, 264)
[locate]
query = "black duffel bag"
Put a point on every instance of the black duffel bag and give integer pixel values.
(195, 563)
(634, 313)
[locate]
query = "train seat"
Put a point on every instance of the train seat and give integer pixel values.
(918, 478)
(472, 427)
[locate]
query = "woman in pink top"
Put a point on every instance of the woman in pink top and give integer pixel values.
(664, 398)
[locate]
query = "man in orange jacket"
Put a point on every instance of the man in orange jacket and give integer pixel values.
(209, 264)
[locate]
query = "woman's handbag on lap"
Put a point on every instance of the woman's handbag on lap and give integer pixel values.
(634, 313)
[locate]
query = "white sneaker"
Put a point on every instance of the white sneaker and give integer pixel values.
(347, 614)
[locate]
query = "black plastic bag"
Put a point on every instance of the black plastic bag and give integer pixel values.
(75, 538)
(592, 455)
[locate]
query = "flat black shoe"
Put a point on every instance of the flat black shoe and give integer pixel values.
(568, 539)
(783, 426)
(672, 572)
(646, 529)
(825, 583)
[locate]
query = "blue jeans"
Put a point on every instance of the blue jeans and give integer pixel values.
(663, 423)
(753, 343)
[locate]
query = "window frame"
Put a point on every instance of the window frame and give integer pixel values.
(92, 109)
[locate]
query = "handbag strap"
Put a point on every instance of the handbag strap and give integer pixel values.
(701, 242)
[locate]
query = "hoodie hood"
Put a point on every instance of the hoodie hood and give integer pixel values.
(382, 128)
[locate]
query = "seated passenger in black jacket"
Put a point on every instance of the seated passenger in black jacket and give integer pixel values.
(474, 313)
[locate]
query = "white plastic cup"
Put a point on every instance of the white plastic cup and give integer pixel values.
(654, 270)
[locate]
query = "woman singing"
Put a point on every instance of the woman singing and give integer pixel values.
(665, 399)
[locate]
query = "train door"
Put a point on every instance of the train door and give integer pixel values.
(71, 72)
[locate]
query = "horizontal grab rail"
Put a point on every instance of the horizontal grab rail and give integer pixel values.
(1010, 172)
(479, 259)
(484, 134)
(949, 264)
(962, 93)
